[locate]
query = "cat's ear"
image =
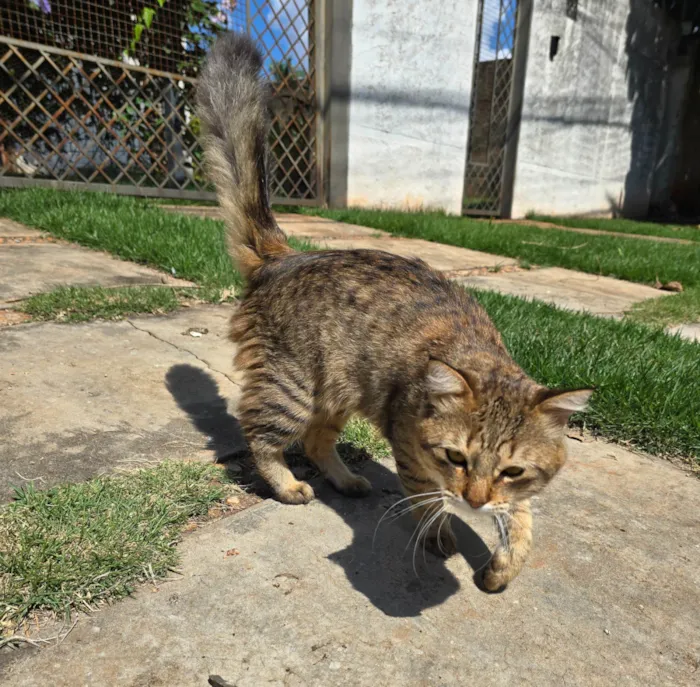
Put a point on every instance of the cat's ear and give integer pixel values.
(444, 381)
(560, 404)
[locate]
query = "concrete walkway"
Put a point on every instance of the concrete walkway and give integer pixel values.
(32, 262)
(607, 598)
(82, 400)
(565, 288)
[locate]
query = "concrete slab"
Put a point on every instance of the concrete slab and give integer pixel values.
(608, 598)
(28, 269)
(81, 400)
(568, 289)
(686, 331)
(437, 255)
(311, 228)
(300, 226)
(11, 229)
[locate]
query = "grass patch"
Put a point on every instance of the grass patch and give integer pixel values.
(77, 545)
(181, 201)
(639, 261)
(647, 382)
(84, 303)
(667, 310)
(188, 247)
(624, 226)
(80, 304)
(360, 436)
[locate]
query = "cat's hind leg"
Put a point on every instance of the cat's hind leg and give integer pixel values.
(319, 446)
(273, 415)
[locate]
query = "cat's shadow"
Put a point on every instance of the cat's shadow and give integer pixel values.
(381, 562)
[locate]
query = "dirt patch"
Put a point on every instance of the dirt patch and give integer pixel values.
(10, 317)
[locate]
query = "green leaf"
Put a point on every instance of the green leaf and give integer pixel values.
(148, 13)
(161, 2)
(138, 30)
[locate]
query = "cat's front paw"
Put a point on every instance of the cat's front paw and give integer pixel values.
(499, 572)
(295, 493)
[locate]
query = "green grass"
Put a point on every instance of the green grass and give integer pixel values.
(639, 261)
(191, 248)
(360, 437)
(624, 226)
(181, 201)
(77, 545)
(188, 247)
(71, 304)
(667, 310)
(647, 382)
(82, 303)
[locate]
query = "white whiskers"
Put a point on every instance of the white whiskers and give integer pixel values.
(424, 532)
(428, 497)
(501, 520)
(446, 517)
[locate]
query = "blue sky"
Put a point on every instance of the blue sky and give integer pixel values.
(279, 25)
(491, 23)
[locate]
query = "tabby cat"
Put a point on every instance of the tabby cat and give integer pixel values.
(327, 334)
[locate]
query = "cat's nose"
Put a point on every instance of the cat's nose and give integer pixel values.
(478, 492)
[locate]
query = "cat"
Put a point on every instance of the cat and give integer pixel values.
(324, 335)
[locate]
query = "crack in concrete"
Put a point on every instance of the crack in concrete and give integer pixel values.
(184, 350)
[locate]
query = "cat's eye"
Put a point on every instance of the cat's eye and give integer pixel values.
(456, 458)
(512, 471)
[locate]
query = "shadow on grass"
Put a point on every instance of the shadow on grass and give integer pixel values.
(380, 563)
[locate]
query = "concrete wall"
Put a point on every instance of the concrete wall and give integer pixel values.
(592, 115)
(410, 82)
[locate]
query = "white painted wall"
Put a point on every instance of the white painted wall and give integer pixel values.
(410, 87)
(592, 116)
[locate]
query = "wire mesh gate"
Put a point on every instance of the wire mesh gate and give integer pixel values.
(490, 110)
(72, 116)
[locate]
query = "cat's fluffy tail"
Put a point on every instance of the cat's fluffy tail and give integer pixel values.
(232, 104)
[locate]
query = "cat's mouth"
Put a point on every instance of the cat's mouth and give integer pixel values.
(458, 506)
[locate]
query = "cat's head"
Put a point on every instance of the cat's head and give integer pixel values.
(491, 438)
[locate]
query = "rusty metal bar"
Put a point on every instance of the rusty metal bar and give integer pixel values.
(92, 58)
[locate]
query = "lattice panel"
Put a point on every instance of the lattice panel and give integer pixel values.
(285, 29)
(493, 77)
(76, 118)
(86, 118)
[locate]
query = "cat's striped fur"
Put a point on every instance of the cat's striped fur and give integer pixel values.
(327, 334)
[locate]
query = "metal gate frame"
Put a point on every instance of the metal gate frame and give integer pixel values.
(494, 177)
(142, 153)
(123, 142)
